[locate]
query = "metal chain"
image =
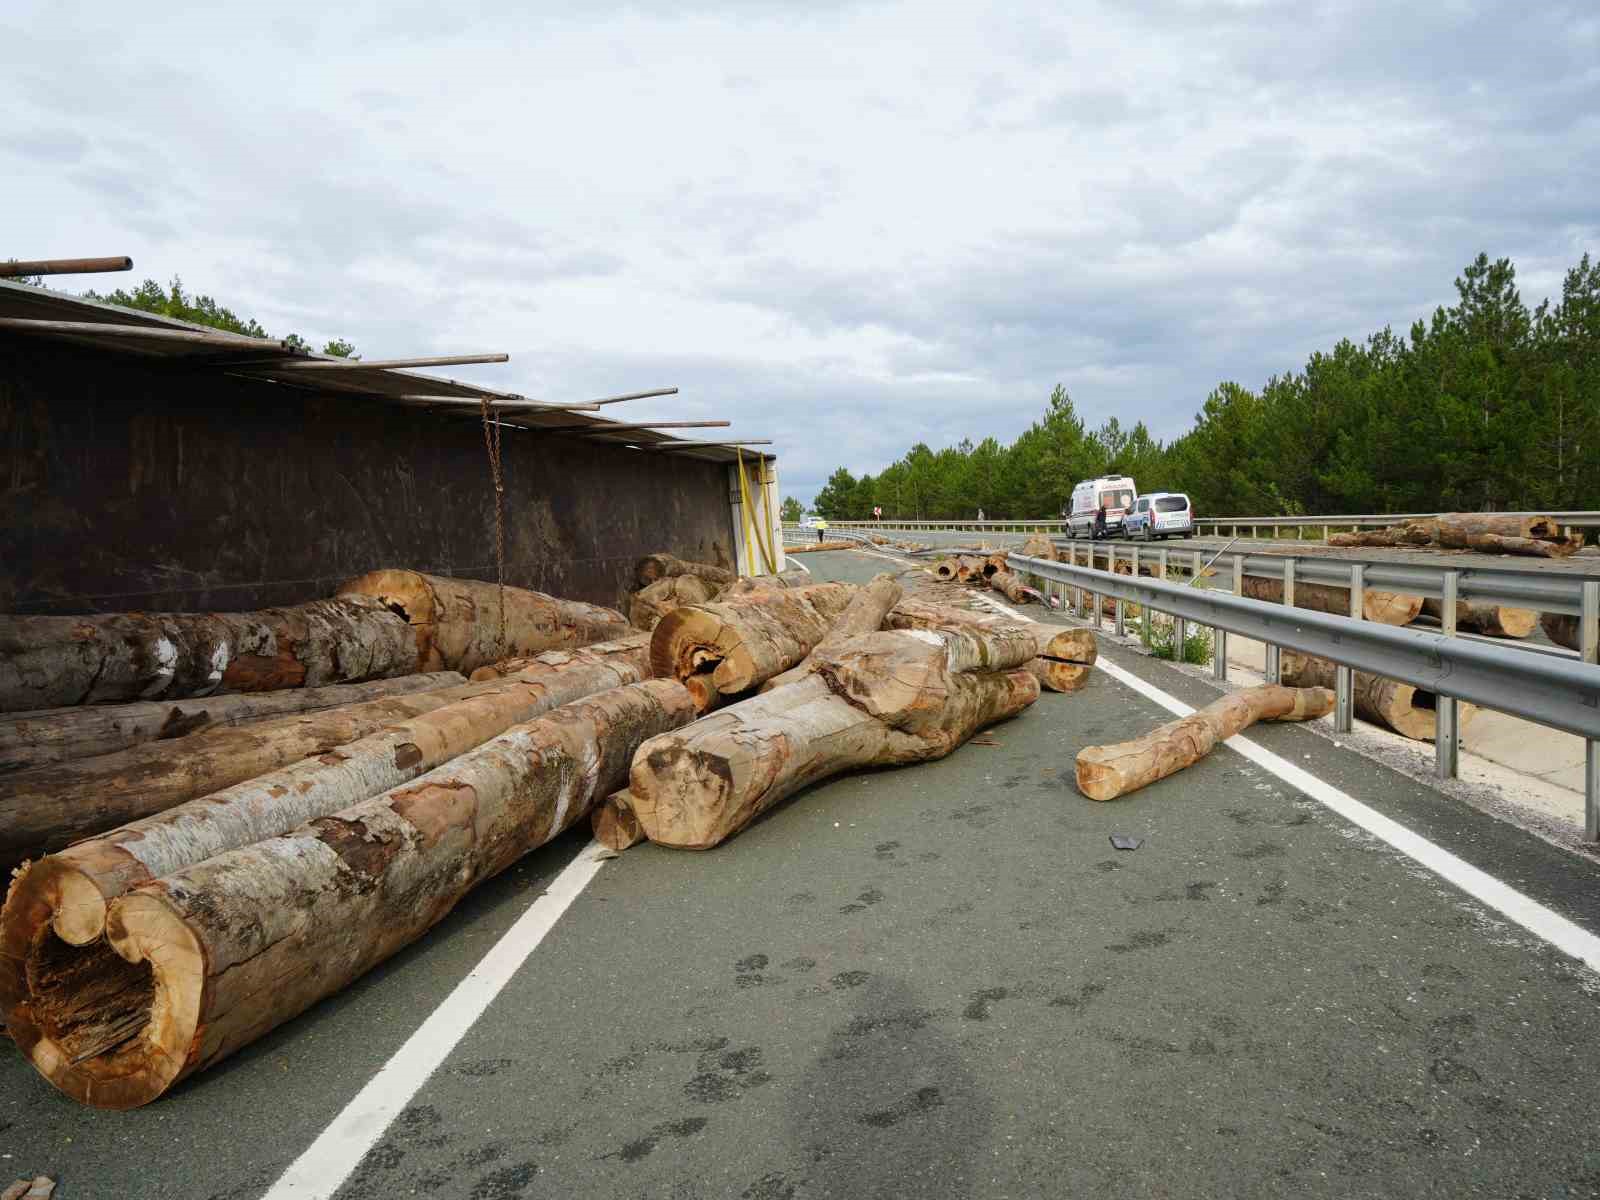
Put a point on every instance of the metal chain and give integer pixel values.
(491, 445)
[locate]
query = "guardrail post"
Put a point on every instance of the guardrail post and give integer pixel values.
(1122, 611)
(1446, 719)
(1274, 656)
(1591, 790)
(1095, 597)
(1343, 677)
(1589, 623)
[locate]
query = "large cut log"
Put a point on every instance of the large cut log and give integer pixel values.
(202, 962)
(1063, 656)
(969, 569)
(653, 567)
(1387, 608)
(792, 577)
(654, 601)
(75, 885)
(747, 636)
(53, 662)
(1009, 584)
(1538, 536)
(1106, 772)
(1407, 710)
(515, 666)
(1561, 628)
(1492, 620)
(814, 547)
(864, 614)
(613, 823)
(945, 570)
(33, 739)
(994, 564)
(695, 788)
(1039, 546)
(46, 808)
(457, 622)
(1412, 533)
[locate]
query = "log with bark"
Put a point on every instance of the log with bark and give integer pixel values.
(1408, 534)
(994, 564)
(650, 603)
(55, 662)
(1407, 710)
(1106, 772)
(457, 622)
(46, 808)
(1492, 620)
(1039, 546)
(200, 963)
(792, 577)
(1063, 657)
(613, 824)
(1009, 584)
(1487, 533)
(747, 636)
(969, 569)
(1387, 608)
(515, 666)
(945, 570)
(864, 614)
(33, 739)
(1561, 628)
(654, 567)
(75, 885)
(813, 547)
(906, 703)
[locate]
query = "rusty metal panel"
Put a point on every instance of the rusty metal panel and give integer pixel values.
(127, 485)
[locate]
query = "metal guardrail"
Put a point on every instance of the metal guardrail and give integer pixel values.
(1572, 518)
(1556, 692)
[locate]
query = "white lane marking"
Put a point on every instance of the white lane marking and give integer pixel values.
(1561, 933)
(798, 563)
(328, 1161)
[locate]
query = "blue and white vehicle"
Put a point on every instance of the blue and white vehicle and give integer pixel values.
(1160, 515)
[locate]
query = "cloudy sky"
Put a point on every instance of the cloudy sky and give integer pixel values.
(847, 227)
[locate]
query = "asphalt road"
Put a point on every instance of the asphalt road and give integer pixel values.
(943, 981)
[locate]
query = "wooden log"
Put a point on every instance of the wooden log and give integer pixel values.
(697, 787)
(198, 964)
(1411, 533)
(747, 636)
(1561, 628)
(515, 666)
(1490, 534)
(1064, 656)
(74, 886)
(945, 570)
(969, 569)
(54, 662)
(653, 567)
(1407, 710)
(864, 614)
(994, 564)
(1106, 772)
(34, 739)
(1039, 546)
(1387, 608)
(613, 823)
(457, 621)
(793, 577)
(654, 601)
(46, 808)
(1491, 620)
(814, 547)
(1010, 585)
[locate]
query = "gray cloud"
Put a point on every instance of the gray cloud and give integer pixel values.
(848, 227)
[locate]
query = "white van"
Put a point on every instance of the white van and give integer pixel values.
(1116, 492)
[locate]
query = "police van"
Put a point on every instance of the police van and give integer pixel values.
(1116, 492)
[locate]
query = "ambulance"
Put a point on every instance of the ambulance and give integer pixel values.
(1116, 492)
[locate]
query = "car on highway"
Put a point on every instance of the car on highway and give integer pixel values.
(1160, 515)
(1114, 492)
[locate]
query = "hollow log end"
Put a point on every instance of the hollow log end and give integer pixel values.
(675, 638)
(403, 592)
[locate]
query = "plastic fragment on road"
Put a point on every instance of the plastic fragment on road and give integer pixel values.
(1126, 841)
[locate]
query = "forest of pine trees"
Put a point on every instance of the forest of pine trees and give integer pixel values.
(1488, 405)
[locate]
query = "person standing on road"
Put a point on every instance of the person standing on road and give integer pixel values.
(822, 528)
(1100, 521)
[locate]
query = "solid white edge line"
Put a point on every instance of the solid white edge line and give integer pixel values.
(1566, 936)
(324, 1166)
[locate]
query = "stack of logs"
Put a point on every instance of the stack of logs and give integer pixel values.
(987, 570)
(219, 860)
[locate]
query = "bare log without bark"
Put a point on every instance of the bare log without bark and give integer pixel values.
(864, 614)
(33, 739)
(653, 567)
(75, 885)
(457, 621)
(1010, 585)
(1492, 620)
(1039, 546)
(814, 547)
(1407, 710)
(614, 825)
(53, 662)
(747, 636)
(1387, 608)
(1064, 656)
(693, 789)
(201, 963)
(1106, 772)
(654, 601)
(46, 808)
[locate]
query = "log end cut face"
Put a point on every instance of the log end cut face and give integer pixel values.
(681, 795)
(111, 1023)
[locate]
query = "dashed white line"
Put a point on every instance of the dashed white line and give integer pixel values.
(328, 1161)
